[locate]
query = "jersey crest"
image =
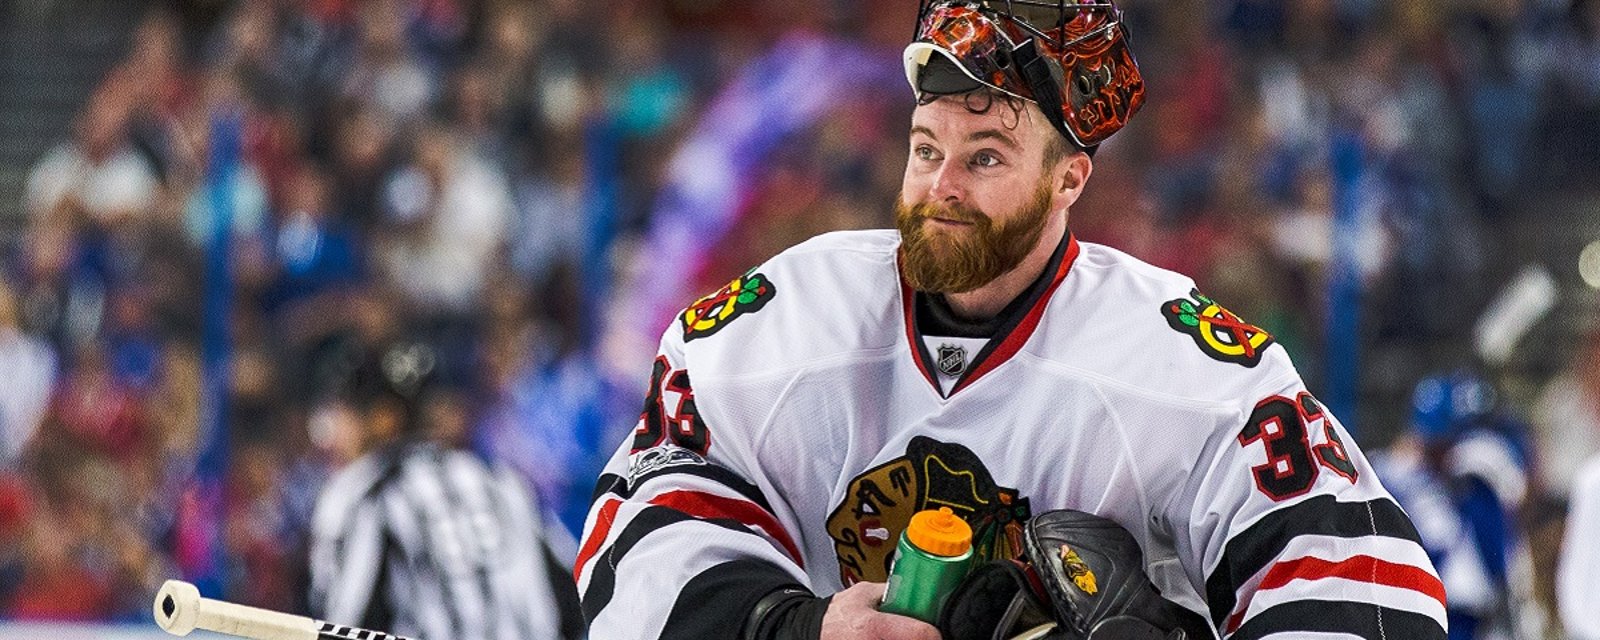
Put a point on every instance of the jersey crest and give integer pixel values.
(1218, 332)
(880, 501)
(708, 315)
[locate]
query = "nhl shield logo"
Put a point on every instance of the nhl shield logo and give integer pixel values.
(952, 360)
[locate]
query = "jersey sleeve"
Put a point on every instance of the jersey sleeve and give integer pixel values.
(1293, 534)
(680, 541)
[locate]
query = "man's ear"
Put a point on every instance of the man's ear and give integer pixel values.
(1071, 174)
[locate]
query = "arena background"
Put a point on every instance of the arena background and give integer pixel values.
(202, 203)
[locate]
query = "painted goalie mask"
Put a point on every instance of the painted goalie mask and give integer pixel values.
(1069, 57)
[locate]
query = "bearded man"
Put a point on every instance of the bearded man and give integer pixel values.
(982, 359)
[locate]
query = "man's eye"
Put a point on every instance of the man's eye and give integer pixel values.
(986, 160)
(925, 152)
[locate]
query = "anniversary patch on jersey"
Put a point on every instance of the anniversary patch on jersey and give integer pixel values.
(879, 503)
(666, 456)
(1217, 332)
(708, 315)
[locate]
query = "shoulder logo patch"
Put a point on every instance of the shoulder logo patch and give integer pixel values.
(1217, 332)
(708, 315)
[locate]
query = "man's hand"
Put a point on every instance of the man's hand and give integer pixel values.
(853, 615)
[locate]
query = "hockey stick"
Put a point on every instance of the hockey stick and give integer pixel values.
(179, 609)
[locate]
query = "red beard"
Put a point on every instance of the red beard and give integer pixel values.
(937, 260)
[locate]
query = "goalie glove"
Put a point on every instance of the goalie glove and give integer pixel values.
(1083, 579)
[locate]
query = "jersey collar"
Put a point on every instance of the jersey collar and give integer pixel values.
(1014, 324)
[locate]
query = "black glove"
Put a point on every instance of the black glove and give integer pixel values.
(1083, 579)
(787, 613)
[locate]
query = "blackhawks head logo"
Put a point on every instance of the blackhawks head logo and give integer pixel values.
(1218, 332)
(708, 315)
(879, 503)
(1082, 576)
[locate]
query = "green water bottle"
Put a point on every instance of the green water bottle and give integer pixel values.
(932, 557)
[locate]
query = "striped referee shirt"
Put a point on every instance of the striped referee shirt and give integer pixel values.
(434, 544)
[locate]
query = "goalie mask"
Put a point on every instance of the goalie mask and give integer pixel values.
(1070, 57)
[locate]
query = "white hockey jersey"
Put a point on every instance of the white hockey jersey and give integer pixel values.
(796, 419)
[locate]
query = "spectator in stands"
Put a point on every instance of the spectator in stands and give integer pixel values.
(53, 584)
(314, 252)
(96, 176)
(15, 504)
(386, 71)
(449, 209)
(30, 366)
(1567, 415)
(363, 152)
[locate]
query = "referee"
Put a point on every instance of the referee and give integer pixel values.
(425, 540)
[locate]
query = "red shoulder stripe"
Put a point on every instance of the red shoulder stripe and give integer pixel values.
(597, 537)
(711, 506)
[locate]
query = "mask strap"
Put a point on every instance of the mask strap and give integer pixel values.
(1046, 92)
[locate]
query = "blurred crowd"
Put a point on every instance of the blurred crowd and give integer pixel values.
(260, 193)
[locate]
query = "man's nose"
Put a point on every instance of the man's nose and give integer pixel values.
(949, 185)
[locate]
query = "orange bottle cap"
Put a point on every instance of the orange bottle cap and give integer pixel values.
(940, 533)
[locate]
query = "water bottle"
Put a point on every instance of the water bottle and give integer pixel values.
(933, 556)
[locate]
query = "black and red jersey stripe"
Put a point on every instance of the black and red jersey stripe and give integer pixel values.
(749, 509)
(1261, 546)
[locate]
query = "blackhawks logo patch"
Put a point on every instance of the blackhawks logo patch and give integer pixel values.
(879, 503)
(708, 315)
(1082, 576)
(1217, 332)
